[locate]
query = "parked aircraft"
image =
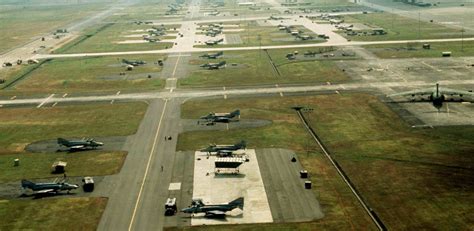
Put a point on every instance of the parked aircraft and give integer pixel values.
(276, 18)
(52, 187)
(311, 53)
(437, 96)
(221, 117)
(211, 66)
(217, 210)
(212, 55)
(304, 37)
(214, 13)
(79, 144)
(233, 147)
(133, 62)
(214, 42)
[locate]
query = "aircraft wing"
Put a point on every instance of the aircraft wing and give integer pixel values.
(215, 213)
(448, 91)
(422, 92)
(45, 191)
(77, 147)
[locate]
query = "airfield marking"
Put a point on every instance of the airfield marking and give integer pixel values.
(65, 94)
(13, 97)
(45, 100)
(281, 93)
(225, 95)
(112, 101)
(118, 93)
(176, 66)
(337, 92)
(54, 104)
(147, 166)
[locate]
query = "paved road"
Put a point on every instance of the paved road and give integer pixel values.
(247, 91)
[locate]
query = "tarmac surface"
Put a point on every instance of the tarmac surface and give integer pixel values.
(223, 187)
(289, 200)
(153, 171)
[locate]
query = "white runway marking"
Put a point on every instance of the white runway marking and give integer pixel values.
(45, 101)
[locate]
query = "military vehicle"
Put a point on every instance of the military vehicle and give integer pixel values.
(79, 144)
(212, 55)
(214, 42)
(217, 210)
(437, 96)
(222, 148)
(134, 62)
(51, 187)
(213, 66)
(221, 117)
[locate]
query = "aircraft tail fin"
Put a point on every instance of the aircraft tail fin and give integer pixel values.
(242, 144)
(239, 202)
(437, 89)
(235, 113)
(63, 141)
(222, 63)
(27, 184)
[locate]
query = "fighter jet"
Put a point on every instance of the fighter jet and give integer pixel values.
(221, 117)
(214, 13)
(79, 144)
(310, 53)
(437, 96)
(212, 55)
(213, 33)
(276, 18)
(134, 62)
(217, 210)
(214, 42)
(213, 66)
(52, 187)
(304, 37)
(222, 148)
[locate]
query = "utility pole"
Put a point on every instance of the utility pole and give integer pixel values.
(419, 25)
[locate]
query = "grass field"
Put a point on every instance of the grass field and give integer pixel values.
(254, 67)
(342, 211)
(253, 34)
(413, 179)
(105, 38)
(415, 50)
(20, 22)
(92, 74)
(21, 126)
(52, 214)
(400, 28)
(38, 165)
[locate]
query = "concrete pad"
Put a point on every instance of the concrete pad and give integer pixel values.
(131, 41)
(135, 35)
(175, 186)
(223, 188)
